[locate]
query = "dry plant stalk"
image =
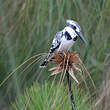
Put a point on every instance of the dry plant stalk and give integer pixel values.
(66, 61)
(70, 63)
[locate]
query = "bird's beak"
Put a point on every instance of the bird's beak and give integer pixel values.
(81, 37)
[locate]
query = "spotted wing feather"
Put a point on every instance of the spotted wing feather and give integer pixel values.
(55, 44)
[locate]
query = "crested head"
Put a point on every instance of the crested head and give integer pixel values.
(77, 29)
(74, 24)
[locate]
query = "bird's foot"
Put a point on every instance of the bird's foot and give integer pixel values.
(61, 54)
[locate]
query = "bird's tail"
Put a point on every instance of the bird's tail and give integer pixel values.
(46, 61)
(44, 64)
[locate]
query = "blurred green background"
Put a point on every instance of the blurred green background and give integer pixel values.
(27, 28)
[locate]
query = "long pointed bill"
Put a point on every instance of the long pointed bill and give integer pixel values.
(81, 37)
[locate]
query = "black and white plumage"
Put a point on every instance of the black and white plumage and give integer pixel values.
(64, 39)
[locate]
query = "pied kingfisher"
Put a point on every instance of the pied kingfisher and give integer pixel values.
(64, 39)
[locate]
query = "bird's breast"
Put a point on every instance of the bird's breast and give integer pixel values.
(65, 45)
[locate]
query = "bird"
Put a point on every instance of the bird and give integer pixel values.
(64, 39)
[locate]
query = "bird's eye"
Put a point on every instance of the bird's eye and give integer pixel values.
(75, 38)
(74, 27)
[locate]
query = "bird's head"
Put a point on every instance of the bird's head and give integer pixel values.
(77, 29)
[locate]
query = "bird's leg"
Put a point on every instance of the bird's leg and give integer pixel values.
(68, 51)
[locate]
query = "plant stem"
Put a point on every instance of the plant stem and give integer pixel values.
(70, 92)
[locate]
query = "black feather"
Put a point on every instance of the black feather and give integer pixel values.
(68, 36)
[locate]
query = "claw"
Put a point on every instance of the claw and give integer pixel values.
(61, 55)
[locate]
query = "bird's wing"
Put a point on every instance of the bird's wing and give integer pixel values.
(55, 44)
(56, 41)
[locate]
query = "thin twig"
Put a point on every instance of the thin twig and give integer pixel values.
(10, 74)
(70, 91)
